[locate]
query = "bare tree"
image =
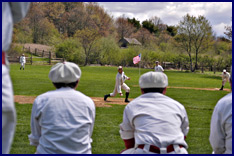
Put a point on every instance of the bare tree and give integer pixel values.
(124, 28)
(228, 32)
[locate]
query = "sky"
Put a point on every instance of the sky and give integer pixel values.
(219, 14)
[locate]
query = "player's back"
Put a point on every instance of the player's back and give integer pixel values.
(66, 117)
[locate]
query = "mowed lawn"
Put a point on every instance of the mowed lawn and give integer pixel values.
(98, 81)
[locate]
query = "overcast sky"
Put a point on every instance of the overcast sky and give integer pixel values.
(218, 13)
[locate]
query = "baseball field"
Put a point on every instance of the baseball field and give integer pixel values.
(197, 92)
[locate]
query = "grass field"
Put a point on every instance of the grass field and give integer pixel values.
(97, 81)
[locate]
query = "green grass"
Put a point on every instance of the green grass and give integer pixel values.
(97, 81)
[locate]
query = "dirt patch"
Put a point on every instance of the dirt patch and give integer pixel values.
(99, 102)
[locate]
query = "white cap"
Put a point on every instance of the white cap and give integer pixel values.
(120, 67)
(153, 80)
(224, 70)
(65, 72)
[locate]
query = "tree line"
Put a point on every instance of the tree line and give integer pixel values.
(85, 33)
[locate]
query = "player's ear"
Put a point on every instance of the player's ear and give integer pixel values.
(164, 90)
(77, 84)
(142, 91)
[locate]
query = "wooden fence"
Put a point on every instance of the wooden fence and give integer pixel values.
(37, 56)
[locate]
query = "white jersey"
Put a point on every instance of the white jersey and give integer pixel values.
(226, 76)
(155, 119)
(119, 81)
(221, 126)
(22, 59)
(158, 68)
(62, 122)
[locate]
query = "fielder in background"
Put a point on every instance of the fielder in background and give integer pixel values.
(62, 120)
(120, 78)
(221, 125)
(225, 78)
(22, 61)
(12, 12)
(153, 123)
(158, 68)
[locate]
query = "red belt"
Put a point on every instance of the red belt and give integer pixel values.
(155, 149)
(3, 57)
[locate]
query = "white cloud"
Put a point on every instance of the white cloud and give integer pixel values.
(218, 13)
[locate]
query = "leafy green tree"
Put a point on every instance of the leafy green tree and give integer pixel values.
(172, 30)
(135, 23)
(70, 50)
(149, 26)
(193, 34)
(110, 51)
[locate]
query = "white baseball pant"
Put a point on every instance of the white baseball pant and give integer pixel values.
(22, 65)
(123, 86)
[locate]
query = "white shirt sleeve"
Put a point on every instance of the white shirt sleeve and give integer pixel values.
(185, 124)
(161, 68)
(126, 128)
(217, 138)
(35, 127)
(19, 10)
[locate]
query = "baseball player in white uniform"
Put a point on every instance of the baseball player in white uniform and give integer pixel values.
(221, 125)
(158, 68)
(12, 12)
(225, 78)
(119, 84)
(153, 123)
(22, 61)
(62, 120)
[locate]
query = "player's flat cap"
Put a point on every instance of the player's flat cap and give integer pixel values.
(224, 70)
(65, 72)
(120, 67)
(153, 80)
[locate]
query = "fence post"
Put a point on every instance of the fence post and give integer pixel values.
(35, 51)
(49, 57)
(214, 68)
(43, 53)
(202, 67)
(31, 58)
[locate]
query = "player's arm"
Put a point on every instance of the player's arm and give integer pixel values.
(185, 124)
(35, 127)
(217, 134)
(127, 131)
(162, 69)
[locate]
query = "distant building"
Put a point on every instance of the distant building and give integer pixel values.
(125, 42)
